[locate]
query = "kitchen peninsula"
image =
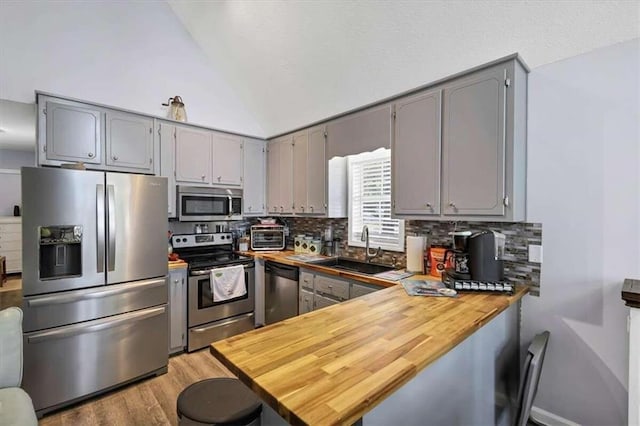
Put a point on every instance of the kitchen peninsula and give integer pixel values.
(387, 358)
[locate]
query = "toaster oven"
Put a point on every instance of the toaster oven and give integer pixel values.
(267, 237)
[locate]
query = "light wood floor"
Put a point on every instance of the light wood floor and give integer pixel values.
(150, 402)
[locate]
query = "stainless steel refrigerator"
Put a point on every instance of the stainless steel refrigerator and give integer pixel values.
(94, 282)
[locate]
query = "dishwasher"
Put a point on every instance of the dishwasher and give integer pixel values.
(280, 292)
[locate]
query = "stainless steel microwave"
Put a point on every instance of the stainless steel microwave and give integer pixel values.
(202, 204)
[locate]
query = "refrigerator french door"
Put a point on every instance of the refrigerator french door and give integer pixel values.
(85, 229)
(94, 282)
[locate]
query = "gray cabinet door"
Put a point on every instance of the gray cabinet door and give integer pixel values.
(227, 160)
(74, 132)
(254, 177)
(320, 302)
(316, 171)
(473, 145)
(416, 155)
(273, 177)
(286, 175)
(167, 143)
(129, 141)
(300, 170)
(177, 310)
(305, 301)
(193, 155)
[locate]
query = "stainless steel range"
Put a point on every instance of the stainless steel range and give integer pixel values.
(208, 320)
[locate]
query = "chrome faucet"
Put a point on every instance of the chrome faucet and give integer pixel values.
(365, 238)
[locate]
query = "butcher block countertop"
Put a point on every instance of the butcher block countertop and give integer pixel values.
(333, 365)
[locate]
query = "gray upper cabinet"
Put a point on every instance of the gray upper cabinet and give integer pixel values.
(69, 132)
(227, 160)
(473, 158)
(416, 155)
(280, 175)
(316, 172)
(459, 148)
(102, 138)
(129, 142)
(193, 156)
(254, 172)
(167, 141)
(300, 171)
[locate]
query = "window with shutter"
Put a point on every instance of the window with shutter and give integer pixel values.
(370, 201)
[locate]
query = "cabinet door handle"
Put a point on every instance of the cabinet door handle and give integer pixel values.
(219, 177)
(176, 282)
(202, 177)
(115, 158)
(90, 155)
(249, 208)
(281, 209)
(453, 206)
(429, 206)
(311, 208)
(302, 208)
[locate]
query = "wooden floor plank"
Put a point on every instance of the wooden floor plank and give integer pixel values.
(148, 402)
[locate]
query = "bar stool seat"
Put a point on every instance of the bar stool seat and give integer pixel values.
(220, 401)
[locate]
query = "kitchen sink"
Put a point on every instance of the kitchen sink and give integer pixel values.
(354, 265)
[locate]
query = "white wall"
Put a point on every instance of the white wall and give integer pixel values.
(584, 186)
(10, 163)
(133, 55)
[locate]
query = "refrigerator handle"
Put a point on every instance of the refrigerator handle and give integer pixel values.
(111, 228)
(100, 226)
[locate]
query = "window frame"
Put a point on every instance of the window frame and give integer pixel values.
(354, 236)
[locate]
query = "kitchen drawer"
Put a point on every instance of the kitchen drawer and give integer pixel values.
(358, 290)
(306, 280)
(6, 246)
(10, 236)
(10, 227)
(332, 287)
(320, 302)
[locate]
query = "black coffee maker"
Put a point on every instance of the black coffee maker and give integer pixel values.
(458, 258)
(485, 262)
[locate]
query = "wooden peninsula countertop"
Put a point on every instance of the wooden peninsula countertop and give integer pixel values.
(333, 365)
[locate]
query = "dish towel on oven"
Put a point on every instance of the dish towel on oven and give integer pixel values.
(228, 283)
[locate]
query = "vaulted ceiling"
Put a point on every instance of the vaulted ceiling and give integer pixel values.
(297, 62)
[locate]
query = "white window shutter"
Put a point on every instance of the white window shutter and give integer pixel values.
(370, 201)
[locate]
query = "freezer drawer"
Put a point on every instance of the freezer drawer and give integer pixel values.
(201, 336)
(66, 363)
(54, 310)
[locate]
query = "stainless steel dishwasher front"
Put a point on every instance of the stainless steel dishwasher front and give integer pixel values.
(280, 292)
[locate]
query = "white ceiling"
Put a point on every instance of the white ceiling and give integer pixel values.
(297, 62)
(17, 125)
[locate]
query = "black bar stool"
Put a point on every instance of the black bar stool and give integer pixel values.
(220, 401)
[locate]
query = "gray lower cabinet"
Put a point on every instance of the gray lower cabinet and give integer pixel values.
(320, 301)
(177, 310)
(318, 291)
(358, 290)
(305, 301)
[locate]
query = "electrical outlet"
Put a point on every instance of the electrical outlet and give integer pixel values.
(535, 253)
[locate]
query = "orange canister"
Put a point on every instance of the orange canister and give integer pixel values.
(436, 260)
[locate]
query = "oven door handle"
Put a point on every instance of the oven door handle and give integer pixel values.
(208, 271)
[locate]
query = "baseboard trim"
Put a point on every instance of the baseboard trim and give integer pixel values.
(550, 419)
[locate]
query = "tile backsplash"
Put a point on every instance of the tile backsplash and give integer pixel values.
(518, 269)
